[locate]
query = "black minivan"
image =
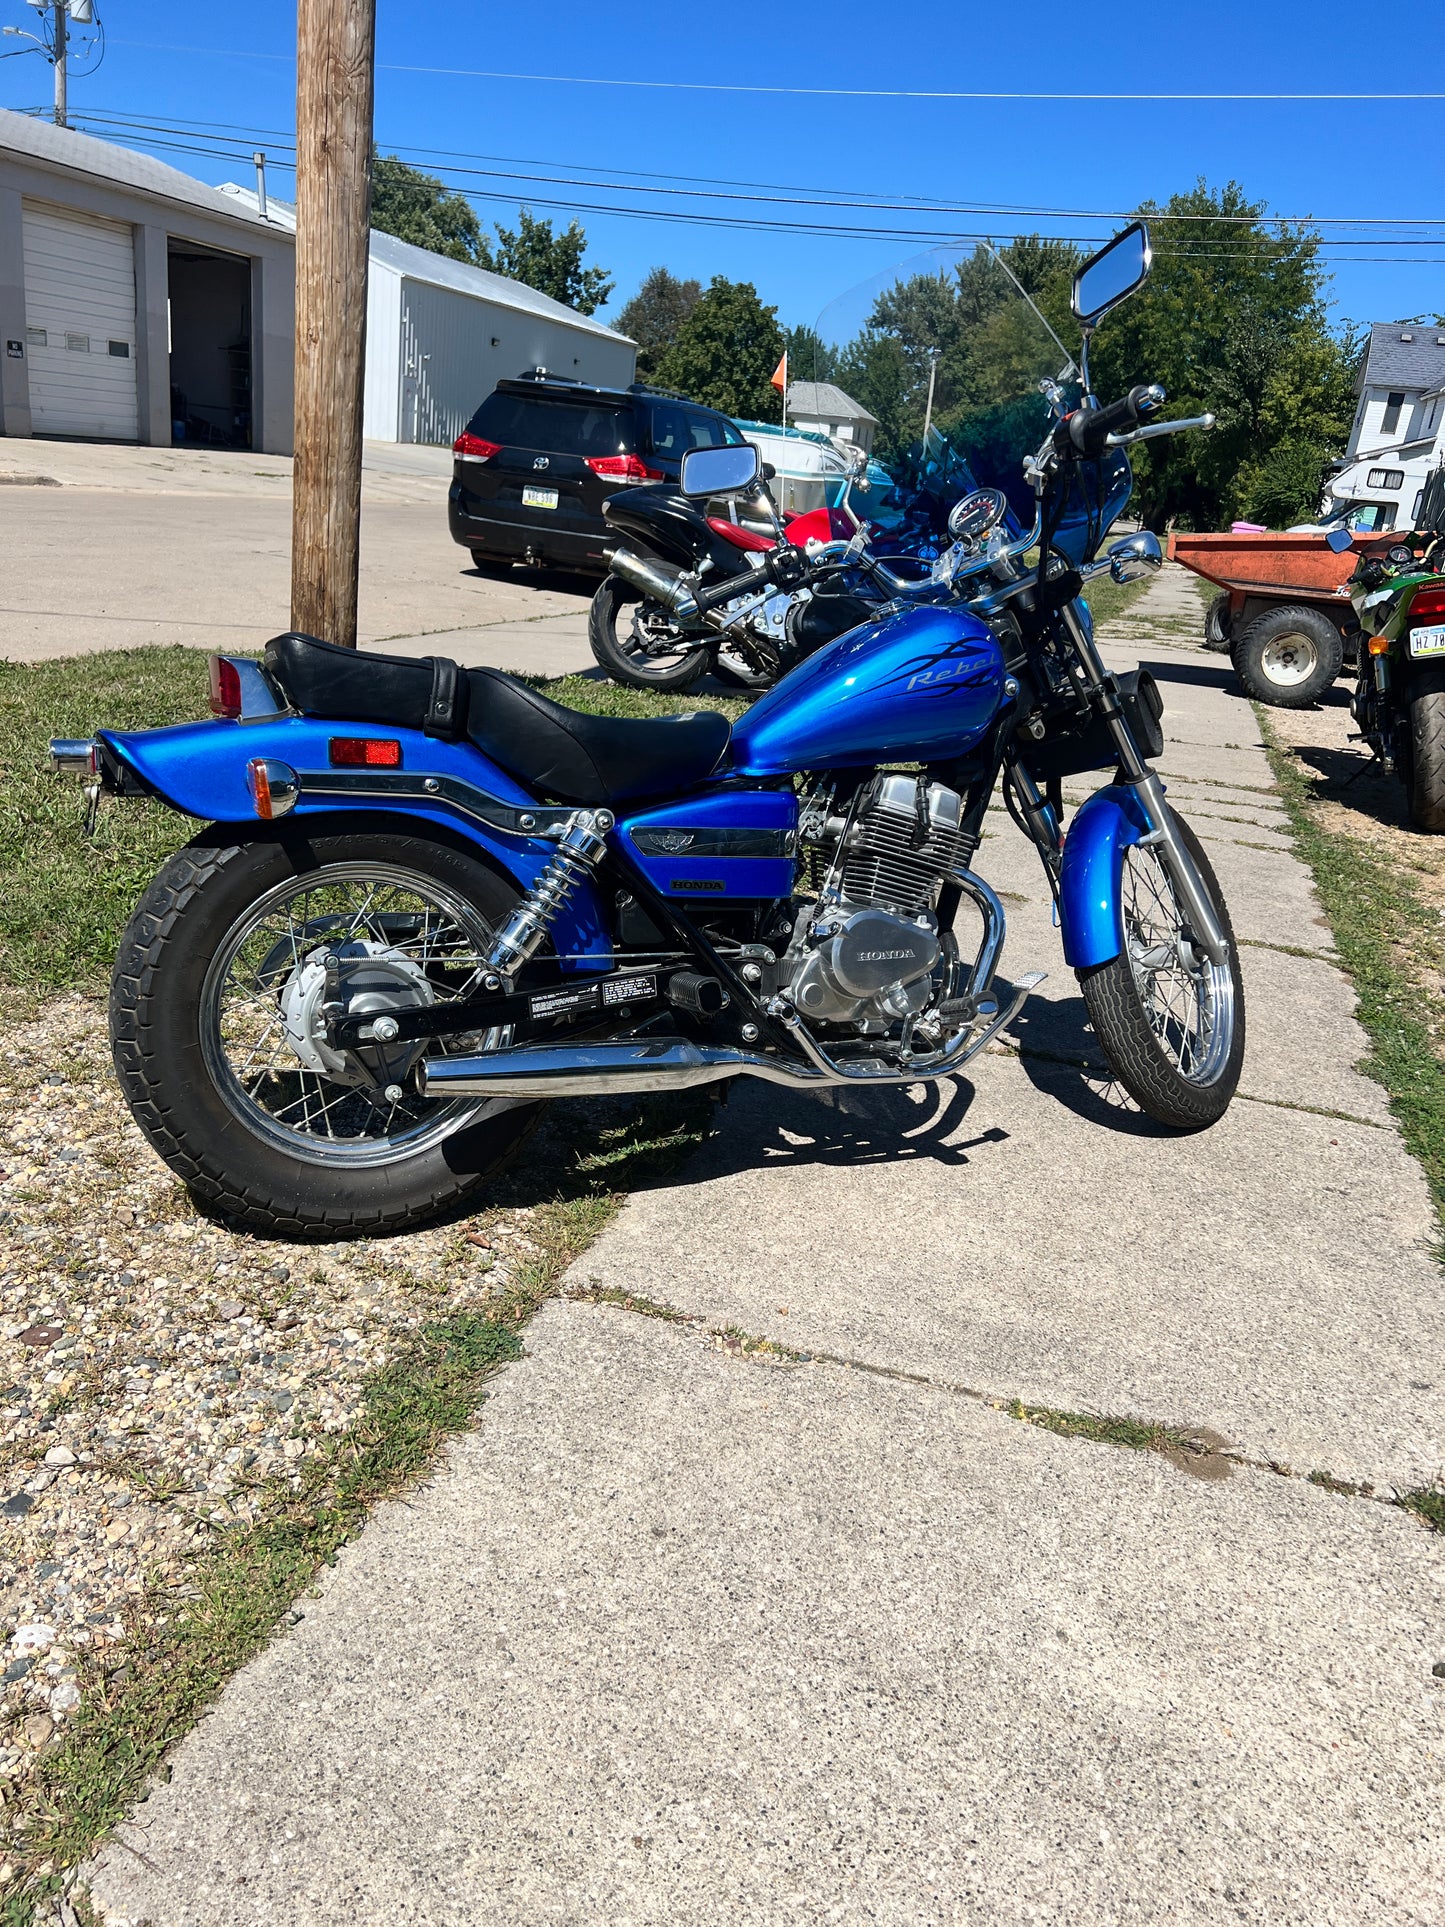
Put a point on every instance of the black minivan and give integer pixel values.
(541, 455)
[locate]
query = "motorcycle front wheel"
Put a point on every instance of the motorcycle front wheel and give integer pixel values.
(637, 642)
(219, 1028)
(1170, 1022)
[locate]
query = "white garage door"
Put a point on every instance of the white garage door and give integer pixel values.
(80, 324)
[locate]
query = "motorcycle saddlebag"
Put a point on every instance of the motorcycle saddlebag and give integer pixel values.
(1072, 751)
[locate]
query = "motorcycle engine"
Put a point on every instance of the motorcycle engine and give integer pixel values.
(865, 954)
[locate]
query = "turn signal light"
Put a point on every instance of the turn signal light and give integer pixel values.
(365, 752)
(623, 468)
(474, 448)
(1379, 645)
(225, 689)
(274, 787)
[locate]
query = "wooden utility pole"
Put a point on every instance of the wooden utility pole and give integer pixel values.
(335, 72)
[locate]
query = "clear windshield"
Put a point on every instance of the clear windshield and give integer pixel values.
(983, 326)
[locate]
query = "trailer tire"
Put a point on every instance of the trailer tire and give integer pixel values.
(1289, 656)
(1216, 623)
(1425, 778)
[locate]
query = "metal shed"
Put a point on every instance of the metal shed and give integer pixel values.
(137, 304)
(440, 334)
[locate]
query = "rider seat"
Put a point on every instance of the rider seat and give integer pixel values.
(559, 754)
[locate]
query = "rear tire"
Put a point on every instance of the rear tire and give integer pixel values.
(238, 1119)
(1173, 1036)
(1288, 657)
(498, 568)
(617, 624)
(1426, 778)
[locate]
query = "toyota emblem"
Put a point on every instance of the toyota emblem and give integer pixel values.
(540, 461)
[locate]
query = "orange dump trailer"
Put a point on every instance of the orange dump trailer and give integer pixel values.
(1283, 610)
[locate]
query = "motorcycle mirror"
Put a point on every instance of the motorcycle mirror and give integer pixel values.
(1134, 556)
(720, 471)
(1112, 274)
(1337, 540)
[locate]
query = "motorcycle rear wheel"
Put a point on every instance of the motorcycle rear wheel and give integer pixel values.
(622, 624)
(1425, 772)
(218, 1035)
(1170, 1022)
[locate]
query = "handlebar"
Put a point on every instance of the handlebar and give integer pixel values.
(1088, 431)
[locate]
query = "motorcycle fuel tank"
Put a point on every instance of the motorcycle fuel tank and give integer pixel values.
(916, 686)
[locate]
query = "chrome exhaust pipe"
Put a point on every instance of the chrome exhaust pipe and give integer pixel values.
(656, 579)
(673, 1064)
(600, 1070)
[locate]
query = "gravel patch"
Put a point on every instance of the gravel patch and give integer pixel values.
(156, 1368)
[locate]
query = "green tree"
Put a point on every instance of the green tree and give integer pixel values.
(725, 353)
(551, 263)
(654, 314)
(810, 358)
(416, 207)
(1232, 320)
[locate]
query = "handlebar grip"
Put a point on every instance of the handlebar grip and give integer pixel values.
(1089, 428)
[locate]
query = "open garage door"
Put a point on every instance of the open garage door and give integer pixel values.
(80, 324)
(210, 297)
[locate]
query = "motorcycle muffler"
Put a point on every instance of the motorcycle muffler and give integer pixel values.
(656, 579)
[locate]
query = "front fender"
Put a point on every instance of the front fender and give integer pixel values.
(1090, 914)
(200, 769)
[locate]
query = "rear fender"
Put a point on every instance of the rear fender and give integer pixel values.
(1090, 909)
(200, 769)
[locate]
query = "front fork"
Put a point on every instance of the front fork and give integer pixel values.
(1164, 832)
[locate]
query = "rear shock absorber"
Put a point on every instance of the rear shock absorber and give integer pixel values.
(579, 850)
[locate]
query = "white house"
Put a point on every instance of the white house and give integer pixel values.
(440, 334)
(826, 410)
(1398, 434)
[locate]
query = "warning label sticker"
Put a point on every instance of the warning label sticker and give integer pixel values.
(626, 990)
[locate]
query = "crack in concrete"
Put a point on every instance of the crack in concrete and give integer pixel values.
(1197, 1450)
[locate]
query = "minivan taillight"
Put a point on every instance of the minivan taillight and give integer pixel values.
(623, 468)
(474, 448)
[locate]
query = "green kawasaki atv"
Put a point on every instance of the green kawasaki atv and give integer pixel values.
(1399, 703)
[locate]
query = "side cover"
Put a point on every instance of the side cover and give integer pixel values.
(201, 770)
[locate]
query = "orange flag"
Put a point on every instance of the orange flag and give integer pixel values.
(779, 376)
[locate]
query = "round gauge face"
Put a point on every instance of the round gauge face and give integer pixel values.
(1401, 556)
(976, 514)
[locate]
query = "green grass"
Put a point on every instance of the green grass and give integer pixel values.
(64, 899)
(1108, 599)
(1389, 942)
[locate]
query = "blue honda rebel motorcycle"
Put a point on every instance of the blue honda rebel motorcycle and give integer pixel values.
(427, 898)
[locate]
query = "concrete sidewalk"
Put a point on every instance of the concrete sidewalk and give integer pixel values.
(679, 1636)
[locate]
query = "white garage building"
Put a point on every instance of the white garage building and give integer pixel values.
(440, 335)
(140, 305)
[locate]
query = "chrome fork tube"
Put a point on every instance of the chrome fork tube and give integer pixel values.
(1164, 832)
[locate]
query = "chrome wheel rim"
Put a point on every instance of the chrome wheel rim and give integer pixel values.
(1188, 1001)
(259, 1010)
(1290, 659)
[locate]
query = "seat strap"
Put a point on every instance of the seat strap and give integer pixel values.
(446, 711)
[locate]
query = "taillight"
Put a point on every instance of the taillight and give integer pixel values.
(474, 448)
(1428, 606)
(365, 752)
(623, 468)
(225, 689)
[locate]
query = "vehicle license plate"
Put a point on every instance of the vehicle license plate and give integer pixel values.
(1428, 642)
(539, 498)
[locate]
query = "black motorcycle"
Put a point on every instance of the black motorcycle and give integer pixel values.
(691, 592)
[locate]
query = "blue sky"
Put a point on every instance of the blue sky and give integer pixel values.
(1352, 159)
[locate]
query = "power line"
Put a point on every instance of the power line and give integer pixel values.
(825, 93)
(785, 194)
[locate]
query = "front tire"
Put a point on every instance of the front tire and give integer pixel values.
(1288, 657)
(217, 1028)
(1170, 1023)
(1426, 774)
(637, 642)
